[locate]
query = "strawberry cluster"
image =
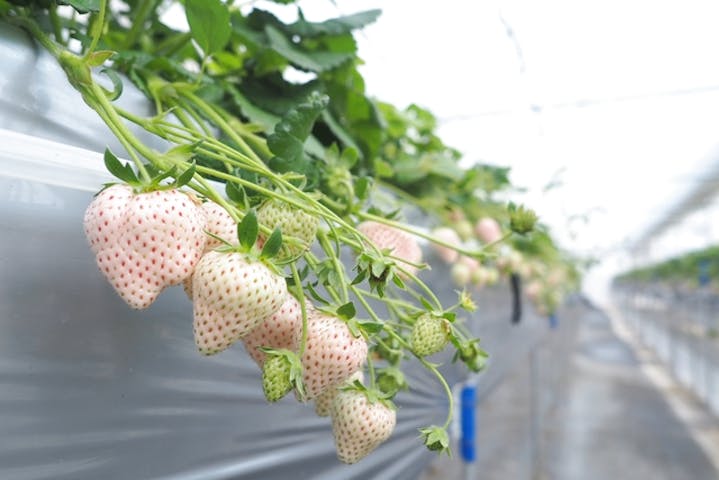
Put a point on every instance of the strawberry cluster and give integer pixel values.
(145, 241)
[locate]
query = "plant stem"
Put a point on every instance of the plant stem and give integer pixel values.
(97, 27)
(138, 22)
(56, 26)
(303, 307)
(419, 233)
(221, 123)
(433, 369)
(339, 268)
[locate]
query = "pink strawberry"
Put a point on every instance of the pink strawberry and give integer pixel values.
(360, 424)
(449, 236)
(219, 223)
(323, 402)
(282, 329)
(232, 294)
(144, 242)
(488, 230)
(401, 244)
(331, 355)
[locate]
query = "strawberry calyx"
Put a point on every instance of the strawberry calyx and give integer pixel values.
(436, 439)
(125, 173)
(390, 380)
(358, 327)
(373, 395)
(247, 235)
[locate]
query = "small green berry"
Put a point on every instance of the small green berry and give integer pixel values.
(430, 334)
(276, 377)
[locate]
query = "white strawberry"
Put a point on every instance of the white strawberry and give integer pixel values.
(401, 244)
(461, 274)
(323, 402)
(360, 424)
(449, 236)
(488, 230)
(232, 294)
(282, 329)
(332, 354)
(220, 224)
(144, 242)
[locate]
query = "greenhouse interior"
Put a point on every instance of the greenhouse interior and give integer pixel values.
(353, 239)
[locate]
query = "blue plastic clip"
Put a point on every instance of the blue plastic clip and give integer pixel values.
(467, 440)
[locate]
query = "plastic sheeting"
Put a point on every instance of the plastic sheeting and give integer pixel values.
(38, 100)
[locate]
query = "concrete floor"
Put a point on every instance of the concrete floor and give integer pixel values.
(601, 417)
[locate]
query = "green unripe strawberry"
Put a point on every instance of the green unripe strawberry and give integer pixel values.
(293, 223)
(281, 372)
(430, 334)
(276, 377)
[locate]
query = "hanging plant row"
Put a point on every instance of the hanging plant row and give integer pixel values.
(265, 188)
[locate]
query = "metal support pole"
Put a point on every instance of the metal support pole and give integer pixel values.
(535, 444)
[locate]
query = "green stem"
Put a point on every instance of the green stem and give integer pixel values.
(221, 123)
(314, 263)
(433, 369)
(303, 307)
(97, 27)
(35, 30)
(138, 22)
(128, 147)
(95, 93)
(56, 26)
(371, 372)
(479, 255)
(339, 268)
(195, 116)
(496, 242)
(171, 45)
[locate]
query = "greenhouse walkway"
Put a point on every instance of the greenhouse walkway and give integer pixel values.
(601, 415)
(615, 423)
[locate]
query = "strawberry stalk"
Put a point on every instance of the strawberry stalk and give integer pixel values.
(96, 26)
(303, 307)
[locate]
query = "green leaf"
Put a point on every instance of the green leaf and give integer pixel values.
(334, 26)
(347, 311)
(361, 276)
(116, 84)
(362, 187)
(248, 229)
(272, 245)
(98, 57)
(235, 192)
(370, 326)
(382, 168)
(209, 22)
(288, 140)
(314, 294)
(256, 114)
(312, 60)
(82, 6)
(340, 132)
(185, 177)
(122, 171)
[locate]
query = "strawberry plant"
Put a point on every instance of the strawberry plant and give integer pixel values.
(266, 190)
